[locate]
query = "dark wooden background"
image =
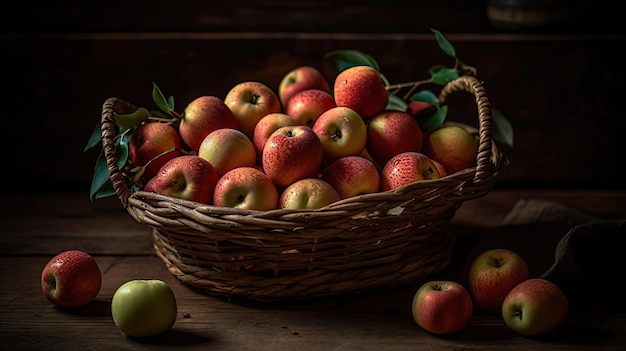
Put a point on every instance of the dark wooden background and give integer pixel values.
(561, 85)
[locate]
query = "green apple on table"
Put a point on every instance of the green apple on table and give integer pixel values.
(250, 101)
(144, 307)
(71, 279)
(202, 116)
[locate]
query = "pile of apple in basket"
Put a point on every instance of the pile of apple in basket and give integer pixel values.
(305, 144)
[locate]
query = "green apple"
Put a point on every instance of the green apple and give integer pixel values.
(361, 89)
(409, 167)
(342, 132)
(187, 177)
(390, 133)
(202, 116)
(352, 176)
(153, 144)
(250, 101)
(535, 306)
(307, 105)
(227, 148)
(442, 307)
(246, 188)
(453, 146)
(143, 308)
(492, 274)
(301, 78)
(308, 193)
(71, 279)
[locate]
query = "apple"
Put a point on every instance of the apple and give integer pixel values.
(392, 132)
(202, 116)
(442, 307)
(535, 306)
(246, 188)
(307, 105)
(292, 153)
(409, 167)
(301, 78)
(152, 144)
(71, 279)
(144, 307)
(416, 108)
(250, 101)
(342, 132)
(265, 127)
(452, 146)
(187, 177)
(352, 176)
(492, 274)
(361, 89)
(227, 148)
(308, 193)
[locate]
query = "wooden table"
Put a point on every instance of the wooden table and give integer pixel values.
(35, 228)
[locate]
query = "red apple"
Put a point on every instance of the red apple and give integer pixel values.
(361, 89)
(308, 193)
(342, 133)
(417, 107)
(227, 148)
(301, 78)
(71, 279)
(265, 127)
(292, 153)
(409, 167)
(250, 101)
(153, 144)
(307, 105)
(535, 307)
(492, 275)
(452, 146)
(442, 307)
(246, 188)
(202, 116)
(186, 177)
(352, 176)
(390, 133)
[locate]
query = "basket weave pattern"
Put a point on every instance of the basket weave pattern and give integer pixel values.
(373, 241)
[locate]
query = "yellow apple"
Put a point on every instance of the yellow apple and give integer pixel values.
(308, 193)
(342, 132)
(227, 148)
(246, 188)
(452, 146)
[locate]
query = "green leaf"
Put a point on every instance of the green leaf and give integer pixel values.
(430, 122)
(106, 190)
(344, 59)
(442, 75)
(503, 130)
(170, 103)
(95, 138)
(101, 171)
(425, 96)
(444, 44)
(132, 120)
(159, 99)
(396, 103)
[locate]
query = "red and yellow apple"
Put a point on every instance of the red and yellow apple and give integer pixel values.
(202, 116)
(301, 78)
(362, 89)
(153, 144)
(246, 188)
(307, 105)
(342, 133)
(187, 177)
(250, 101)
(352, 176)
(265, 127)
(442, 307)
(292, 153)
(534, 307)
(308, 193)
(452, 146)
(227, 148)
(390, 133)
(492, 274)
(71, 279)
(409, 167)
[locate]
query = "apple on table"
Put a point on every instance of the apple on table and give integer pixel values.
(71, 279)
(442, 307)
(249, 101)
(301, 78)
(202, 116)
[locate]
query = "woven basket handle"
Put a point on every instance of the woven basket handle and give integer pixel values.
(485, 159)
(109, 132)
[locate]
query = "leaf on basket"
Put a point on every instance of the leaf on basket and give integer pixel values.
(503, 130)
(101, 176)
(94, 139)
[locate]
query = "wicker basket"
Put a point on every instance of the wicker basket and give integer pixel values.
(375, 241)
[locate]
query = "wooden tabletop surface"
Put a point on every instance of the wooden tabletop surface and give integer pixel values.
(35, 228)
